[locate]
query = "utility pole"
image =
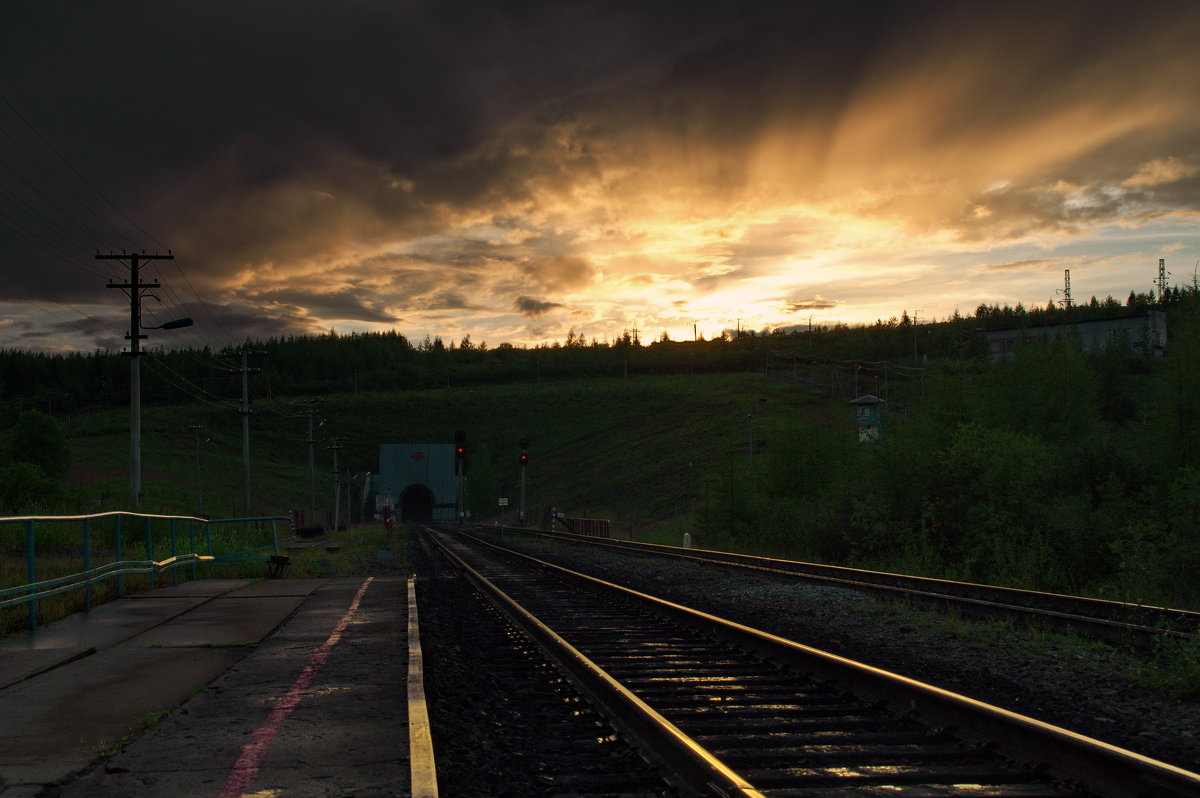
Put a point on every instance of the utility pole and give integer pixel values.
(135, 289)
(750, 448)
(916, 321)
(199, 492)
(311, 411)
(335, 445)
(245, 371)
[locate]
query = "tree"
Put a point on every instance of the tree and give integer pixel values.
(24, 489)
(38, 440)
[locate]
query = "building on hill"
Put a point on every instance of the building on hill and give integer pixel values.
(1143, 332)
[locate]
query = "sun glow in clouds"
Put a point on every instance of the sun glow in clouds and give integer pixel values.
(761, 165)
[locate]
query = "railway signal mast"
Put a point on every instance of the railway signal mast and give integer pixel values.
(460, 467)
(524, 460)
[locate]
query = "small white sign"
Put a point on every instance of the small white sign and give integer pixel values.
(504, 502)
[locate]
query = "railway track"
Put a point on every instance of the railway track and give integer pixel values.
(725, 710)
(504, 720)
(1117, 622)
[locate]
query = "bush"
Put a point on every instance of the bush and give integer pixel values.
(25, 489)
(37, 439)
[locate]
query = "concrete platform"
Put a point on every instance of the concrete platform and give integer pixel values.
(58, 722)
(222, 622)
(105, 626)
(79, 697)
(204, 588)
(345, 735)
(27, 664)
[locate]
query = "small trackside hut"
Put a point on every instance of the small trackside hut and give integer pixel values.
(868, 417)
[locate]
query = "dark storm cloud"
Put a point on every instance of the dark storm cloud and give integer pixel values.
(452, 300)
(361, 304)
(280, 147)
(559, 273)
(801, 305)
(532, 308)
(235, 323)
(1036, 264)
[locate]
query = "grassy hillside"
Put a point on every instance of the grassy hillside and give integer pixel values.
(1053, 470)
(637, 450)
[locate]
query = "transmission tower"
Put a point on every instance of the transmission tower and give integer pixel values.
(1162, 279)
(1066, 301)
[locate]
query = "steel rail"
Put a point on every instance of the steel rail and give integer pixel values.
(1105, 769)
(699, 771)
(1096, 618)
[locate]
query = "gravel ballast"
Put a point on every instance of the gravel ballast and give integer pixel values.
(1081, 686)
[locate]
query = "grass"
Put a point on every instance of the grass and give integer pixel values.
(1174, 670)
(648, 453)
(144, 724)
(635, 450)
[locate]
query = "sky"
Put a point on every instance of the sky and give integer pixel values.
(515, 171)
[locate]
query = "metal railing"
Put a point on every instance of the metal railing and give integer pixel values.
(33, 590)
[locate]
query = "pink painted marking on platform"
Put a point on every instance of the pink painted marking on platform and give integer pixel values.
(246, 767)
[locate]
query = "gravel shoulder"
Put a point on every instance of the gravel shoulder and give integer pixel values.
(1082, 686)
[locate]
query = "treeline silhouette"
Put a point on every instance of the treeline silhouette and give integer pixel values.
(316, 365)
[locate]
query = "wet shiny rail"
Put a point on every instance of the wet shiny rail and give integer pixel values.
(1117, 622)
(733, 711)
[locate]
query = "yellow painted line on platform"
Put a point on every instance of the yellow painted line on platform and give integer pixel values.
(420, 741)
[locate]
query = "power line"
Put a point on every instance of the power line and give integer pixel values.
(181, 382)
(14, 279)
(79, 174)
(198, 334)
(50, 200)
(38, 241)
(28, 208)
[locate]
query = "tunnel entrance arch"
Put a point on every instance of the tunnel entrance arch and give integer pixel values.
(418, 481)
(416, 503)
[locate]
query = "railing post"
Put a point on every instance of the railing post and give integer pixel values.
(117, 546)
(87, 564)
(150, 553)
(208, 544)
(30, 572)
(192, 543)
(174, 553)
(274, 536)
